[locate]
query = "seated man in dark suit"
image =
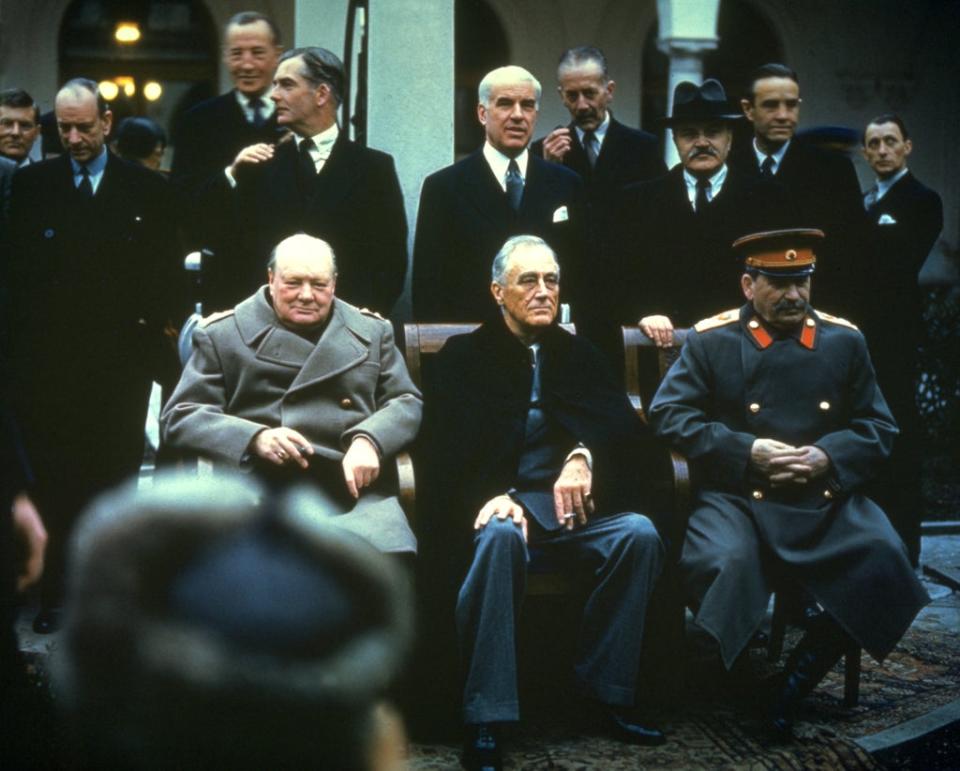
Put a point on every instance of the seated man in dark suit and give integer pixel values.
(300, 387)
(533, 445)
(321, 183)
(683, 223)
(210, 135)
(904, 219)
(469, 209)
(778, 410)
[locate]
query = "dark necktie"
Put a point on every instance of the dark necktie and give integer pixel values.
(86, 186)
(307, 169)
(703, 185)
(590, 145)
(514, 185)
(256, 106)
(766, 168)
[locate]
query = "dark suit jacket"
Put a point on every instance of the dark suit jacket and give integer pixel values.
(476, 398)
(354, 203)
(465, 218)
(209, 138)
(824, 193)
(888, 303)
(677, 262)
(92, 282)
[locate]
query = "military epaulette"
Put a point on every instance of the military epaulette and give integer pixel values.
(837, 320)
(720, 320)
(207, 320)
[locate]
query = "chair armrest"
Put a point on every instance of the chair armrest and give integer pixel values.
(681, 484)
(407, 490)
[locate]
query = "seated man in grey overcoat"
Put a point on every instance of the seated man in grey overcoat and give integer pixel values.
(299, 386)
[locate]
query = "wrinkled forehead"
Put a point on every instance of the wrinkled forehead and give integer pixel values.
(531, 259)
(512, 90)
(76, 104)
(304, 263)
(883, 130)
(586, 71)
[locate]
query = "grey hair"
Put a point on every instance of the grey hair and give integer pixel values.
(78, 87)
(296, 238)
(498, 273)
(512, 75)
(318, 65)
(580, 55)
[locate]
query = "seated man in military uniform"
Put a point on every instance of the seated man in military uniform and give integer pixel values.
(777, 407)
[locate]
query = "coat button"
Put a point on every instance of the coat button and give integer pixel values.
(754, 408)
(757, 495)
(346, 403)
(824, 406)
(828, 495)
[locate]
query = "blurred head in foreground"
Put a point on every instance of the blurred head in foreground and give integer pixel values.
(208, 627)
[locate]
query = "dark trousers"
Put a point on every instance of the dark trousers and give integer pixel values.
(625, 555)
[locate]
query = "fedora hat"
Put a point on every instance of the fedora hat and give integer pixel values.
(701, 103)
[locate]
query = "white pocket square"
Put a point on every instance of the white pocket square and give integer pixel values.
(561, 214)
(886, 219)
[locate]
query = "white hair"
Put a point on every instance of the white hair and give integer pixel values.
(506, 76)
(498, 273)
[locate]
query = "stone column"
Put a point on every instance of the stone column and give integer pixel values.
(410, 86)
(687, 30)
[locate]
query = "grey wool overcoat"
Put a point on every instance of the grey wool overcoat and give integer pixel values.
(248, 372)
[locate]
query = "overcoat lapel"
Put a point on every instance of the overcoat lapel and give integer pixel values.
(337, 351)
(484, 193)
(335, 180)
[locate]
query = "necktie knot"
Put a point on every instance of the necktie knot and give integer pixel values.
(86, 186)
(257, 106)
(766, 168)
(514, 184)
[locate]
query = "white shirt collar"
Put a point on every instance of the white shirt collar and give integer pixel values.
(498, 163)
(322, 142)
(716, 184)
(777, 156)
(884, 185)
(244, 101)
(600, 132)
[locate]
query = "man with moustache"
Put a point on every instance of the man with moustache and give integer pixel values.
(92, 270)
(320, 183)
(535, 450)
(822, 185)
(776, 406)
(469, 209)
(904, 219)
(683, 223)
(213, 132)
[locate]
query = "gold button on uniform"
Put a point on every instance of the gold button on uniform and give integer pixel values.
(828, 495)
(346, 403)
(758, 495)
(754, 408)
(824, 406)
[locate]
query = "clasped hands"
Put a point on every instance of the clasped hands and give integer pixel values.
(783, 464)
(572, 500)
(361, 464)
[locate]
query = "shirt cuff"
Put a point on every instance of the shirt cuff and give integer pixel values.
(583, 452)
(230, 179)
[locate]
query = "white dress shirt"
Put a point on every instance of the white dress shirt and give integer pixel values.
(716, 185)
(266, 111)
(498, 163)
(777, 156)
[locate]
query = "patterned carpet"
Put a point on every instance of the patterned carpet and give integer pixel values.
(709, 728)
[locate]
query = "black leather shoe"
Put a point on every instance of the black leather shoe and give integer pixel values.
(47, 621)
(627, 726)
(481, 748)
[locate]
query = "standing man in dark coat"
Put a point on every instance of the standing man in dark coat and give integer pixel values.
(92, 268)
(822, 184)
(683, 223)
(608, 156)
(214, 131)
(320, 183)
(777, 408)
(469, 209)
(904, 219)
(532, 442)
